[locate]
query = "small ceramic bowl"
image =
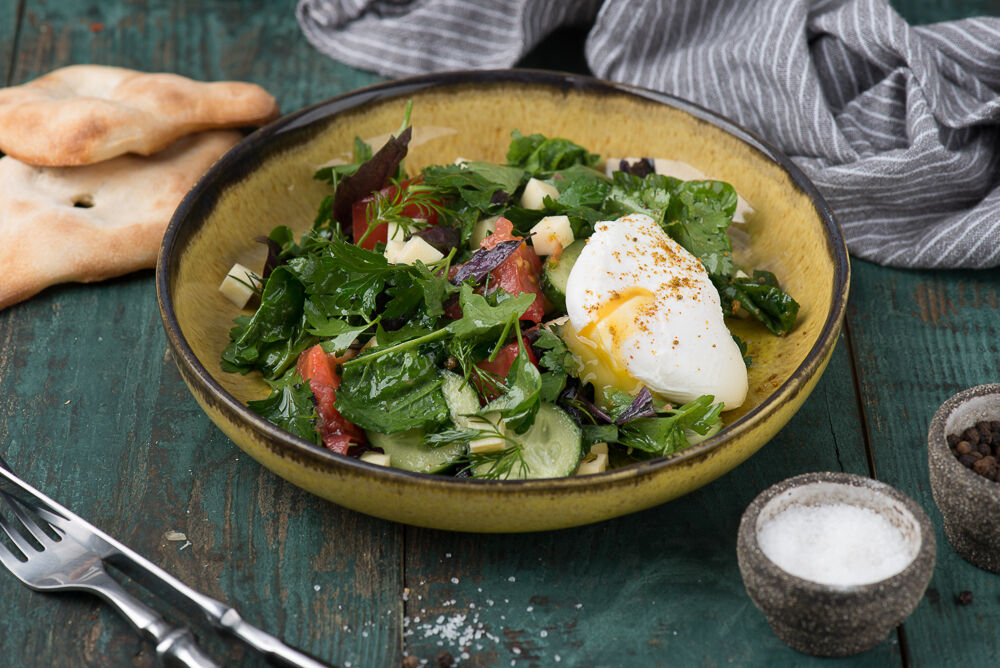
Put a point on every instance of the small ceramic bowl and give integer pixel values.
(969, 503)
(836, 619)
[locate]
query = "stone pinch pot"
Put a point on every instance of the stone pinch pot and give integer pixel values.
(834, 620)
(969, 503)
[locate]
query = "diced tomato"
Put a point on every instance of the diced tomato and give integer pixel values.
(319, 368)
(378, 235)
(520, 272)
(500, 367)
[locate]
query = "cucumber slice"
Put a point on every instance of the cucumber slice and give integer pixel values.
(555, 273)
(460, 397)
(550, 449)
(406, 451)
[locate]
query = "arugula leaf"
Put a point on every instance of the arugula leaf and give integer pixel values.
(542, 156)
(396, 392)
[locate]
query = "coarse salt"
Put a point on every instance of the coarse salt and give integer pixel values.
(835, 544)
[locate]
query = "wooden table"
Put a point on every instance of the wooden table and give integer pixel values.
(93, 411)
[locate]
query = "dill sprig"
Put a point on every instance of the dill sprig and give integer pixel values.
(500, 463)
(386, 208)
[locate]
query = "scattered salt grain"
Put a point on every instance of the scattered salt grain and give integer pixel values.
(454, 581)
(835, 544)
(316, 587)
(512, 579)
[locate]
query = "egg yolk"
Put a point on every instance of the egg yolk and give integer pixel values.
(600, 344)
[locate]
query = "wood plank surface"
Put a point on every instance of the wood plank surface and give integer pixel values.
(922, 336)
(8, 32)
(659, 587)
(96, 414)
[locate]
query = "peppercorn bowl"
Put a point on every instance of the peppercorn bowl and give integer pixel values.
(815, 604)
(968, 496)
(267, 180)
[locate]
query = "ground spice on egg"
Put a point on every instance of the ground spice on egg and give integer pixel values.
(978, 448)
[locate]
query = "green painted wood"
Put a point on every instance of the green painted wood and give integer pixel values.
(8, 32)
(92, 411)
(922, 336)
(920, 12)
(660, 587)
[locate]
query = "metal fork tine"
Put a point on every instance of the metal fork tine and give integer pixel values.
(29, 523)
(8, 559)
(15, 536)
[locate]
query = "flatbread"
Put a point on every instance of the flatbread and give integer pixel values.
(83, 114)
(60, 224)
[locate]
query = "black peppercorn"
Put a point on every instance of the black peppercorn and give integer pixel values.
(978, 448)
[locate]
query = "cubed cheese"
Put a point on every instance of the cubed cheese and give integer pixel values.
(551, 235)
(418, 249)
(373, 457)
(236, 285)
(491, 422)
(486, 444)
(535, 192)
(483, 228)
(589, 466)
(394, 232)
(393, 251)
(599, 448)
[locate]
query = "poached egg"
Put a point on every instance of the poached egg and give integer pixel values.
(643, 311)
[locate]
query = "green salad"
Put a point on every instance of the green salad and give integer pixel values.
(537, 318)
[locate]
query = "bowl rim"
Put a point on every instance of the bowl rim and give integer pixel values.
(221, 175)
(747, 538)
(937, 440)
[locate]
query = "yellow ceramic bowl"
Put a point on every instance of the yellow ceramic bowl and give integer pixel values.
(267, 180)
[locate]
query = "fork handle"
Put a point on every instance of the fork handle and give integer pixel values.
(174, 646)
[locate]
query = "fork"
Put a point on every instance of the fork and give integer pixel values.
(106, 549)
(62, 564)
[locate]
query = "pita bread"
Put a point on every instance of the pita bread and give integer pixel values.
(85, 224)
(83, 114)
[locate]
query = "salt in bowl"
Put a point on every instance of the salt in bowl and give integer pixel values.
(969, 503)
(834, 560)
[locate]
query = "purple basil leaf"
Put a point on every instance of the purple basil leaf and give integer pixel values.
(372, 175)
(499, 197)
(642, 168)
(484, 261)
(442, 237)
(273, 252)
(641, 406)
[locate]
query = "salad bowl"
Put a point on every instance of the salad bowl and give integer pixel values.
(267, 180)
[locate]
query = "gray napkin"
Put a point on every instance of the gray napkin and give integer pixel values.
(898, 126)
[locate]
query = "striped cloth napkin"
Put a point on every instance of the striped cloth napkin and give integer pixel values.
(898, 126)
